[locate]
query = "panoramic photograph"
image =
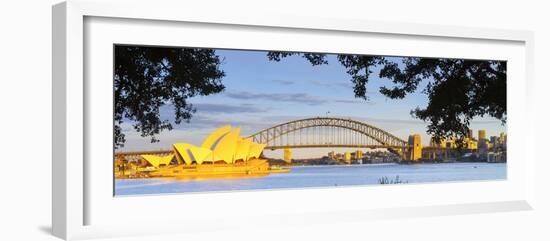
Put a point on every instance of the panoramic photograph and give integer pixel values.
(190, 120)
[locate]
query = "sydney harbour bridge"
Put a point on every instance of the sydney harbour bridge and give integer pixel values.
(327, 132)
(331, 132)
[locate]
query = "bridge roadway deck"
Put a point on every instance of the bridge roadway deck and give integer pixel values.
(333, 146)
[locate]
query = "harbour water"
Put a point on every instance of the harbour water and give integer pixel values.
(321, 176)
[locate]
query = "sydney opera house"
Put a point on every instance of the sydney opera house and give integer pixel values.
(223, 152)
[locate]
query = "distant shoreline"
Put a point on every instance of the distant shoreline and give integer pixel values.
(384, 163)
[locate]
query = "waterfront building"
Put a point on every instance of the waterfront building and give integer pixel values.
(158, 161)
(223, 146)
(224, 153)
(496, 157)
(471, 143)
(482, 147)
(481, 135)
(347, 157)
(494, 141)
(482, 144)
(453, 143)
(358, 155)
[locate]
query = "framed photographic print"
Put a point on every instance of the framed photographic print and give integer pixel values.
(270, 119)
(155, 108)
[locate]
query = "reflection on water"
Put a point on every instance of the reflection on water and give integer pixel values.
(320, 176)
(225, 176)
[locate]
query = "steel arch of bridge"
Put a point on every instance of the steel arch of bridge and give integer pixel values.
(332, 132)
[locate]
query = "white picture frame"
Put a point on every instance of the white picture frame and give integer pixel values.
(73, 191)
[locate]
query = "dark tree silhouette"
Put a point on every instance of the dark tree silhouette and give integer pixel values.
(146, 78)
(458, 89)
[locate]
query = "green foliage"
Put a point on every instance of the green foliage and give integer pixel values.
(146, 78)
(458, 89)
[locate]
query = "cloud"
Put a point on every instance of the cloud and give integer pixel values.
(356, 101)
(280, 97)
(346, 84)
(284, 82)
(324, 83)
(300, 98)
(339, 83)
(227, 109)
(391, 121)
(486, 122)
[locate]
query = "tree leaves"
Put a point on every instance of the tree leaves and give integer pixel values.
(458, 90)
(147, 78)
(360, 67)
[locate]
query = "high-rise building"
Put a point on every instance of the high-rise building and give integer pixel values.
(502, 138)
(482, 144)
(494, 141)
(481, 135)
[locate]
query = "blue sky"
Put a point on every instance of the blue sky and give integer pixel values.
(261, 93)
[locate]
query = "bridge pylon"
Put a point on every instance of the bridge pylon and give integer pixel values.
(414, 152)
(287, 155)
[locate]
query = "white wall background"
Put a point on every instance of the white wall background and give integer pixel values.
(25, 119)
